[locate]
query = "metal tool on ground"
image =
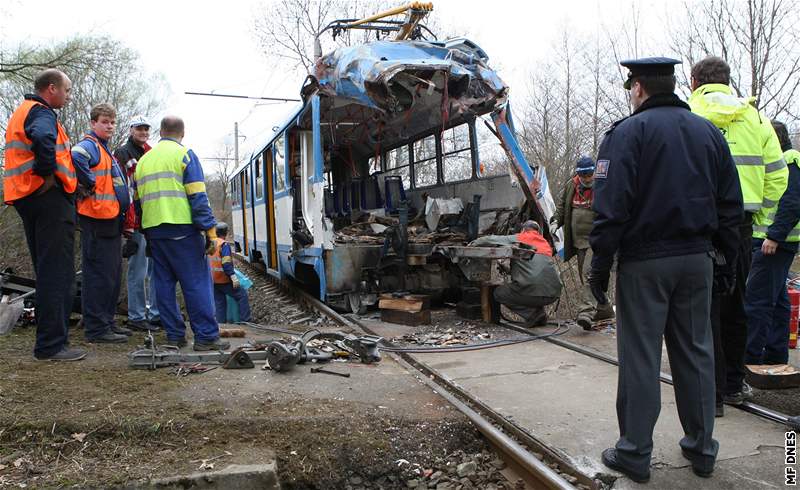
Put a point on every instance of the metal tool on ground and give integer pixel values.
(280, 355)
(239, 359)
(325, 371)
(196, 368)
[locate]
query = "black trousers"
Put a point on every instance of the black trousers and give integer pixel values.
(101, 261)
(729, 323)
(49, 222)
(665, 298)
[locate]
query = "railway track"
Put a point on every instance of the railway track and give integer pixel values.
(535, 462)
(530, 459)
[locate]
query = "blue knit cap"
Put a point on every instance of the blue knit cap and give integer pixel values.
(585, 165)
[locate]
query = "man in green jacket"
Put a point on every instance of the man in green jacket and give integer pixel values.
(535, 282)
(763, 177)
(574, 213)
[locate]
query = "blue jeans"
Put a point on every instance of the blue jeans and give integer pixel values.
(221, 302)
(767, 307)
(141, 306)
(184, 261)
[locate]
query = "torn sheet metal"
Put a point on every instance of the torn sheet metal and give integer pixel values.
(395, 76)
(436, 208)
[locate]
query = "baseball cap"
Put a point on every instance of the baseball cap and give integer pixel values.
(139, 120)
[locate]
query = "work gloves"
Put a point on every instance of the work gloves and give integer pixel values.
(235, 281)
(129, 249)
(211, 235)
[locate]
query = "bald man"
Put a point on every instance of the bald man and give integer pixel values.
(170, 196)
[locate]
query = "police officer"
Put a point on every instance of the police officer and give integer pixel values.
(666, 194)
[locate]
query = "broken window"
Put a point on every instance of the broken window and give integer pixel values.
(457, 154)
(280, 165)
(492, 159)
(425, 162)
(397, 164)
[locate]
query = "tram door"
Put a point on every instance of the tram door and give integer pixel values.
(272, 245)
(245, 183)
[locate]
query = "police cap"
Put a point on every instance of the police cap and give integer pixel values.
(658, 65)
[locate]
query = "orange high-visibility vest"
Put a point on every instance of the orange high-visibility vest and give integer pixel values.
(103, 203)
(215, 261)
(18, 178)
(535, 239)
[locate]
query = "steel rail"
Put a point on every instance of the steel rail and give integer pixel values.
(534, 471)
(754, 408)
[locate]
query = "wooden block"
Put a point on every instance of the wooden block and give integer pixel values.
(406, 318)
(416, 259)
(400, 304)
(232, 332)
(409, 302)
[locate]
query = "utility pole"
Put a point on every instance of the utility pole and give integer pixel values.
(236, 144)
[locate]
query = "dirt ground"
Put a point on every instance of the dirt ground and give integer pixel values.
(97, 423)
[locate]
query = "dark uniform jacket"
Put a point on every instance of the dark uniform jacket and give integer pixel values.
(665, 185)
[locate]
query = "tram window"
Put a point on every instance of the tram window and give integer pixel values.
(280, 165)
(246, 187)
(397, 164)
(234, 192)
(425, 162)
(259, 180)
(493, 159)
(457, 154)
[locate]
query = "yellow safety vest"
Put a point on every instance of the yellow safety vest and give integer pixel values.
(755, 148)
(159, 185)
(764, 218)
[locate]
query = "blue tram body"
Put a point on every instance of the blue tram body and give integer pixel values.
(383, 125)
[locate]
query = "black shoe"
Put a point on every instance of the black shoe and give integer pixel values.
(734, 398)
(177, 343)
(215, 345)
(119, 330)
(584, 322)
(155, 324)
(697, 471)
(109, 338)
(66, 354)
(140, 325)
(719, 411)
(609, 459)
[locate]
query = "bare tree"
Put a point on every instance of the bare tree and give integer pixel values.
(218, 188)
(286, 29)
(756, 38)
(101, 69)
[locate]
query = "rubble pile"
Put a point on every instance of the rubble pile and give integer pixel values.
(463, 471)
(443, 338)
(437, 224)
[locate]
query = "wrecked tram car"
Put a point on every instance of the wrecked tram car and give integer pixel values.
(390, 160)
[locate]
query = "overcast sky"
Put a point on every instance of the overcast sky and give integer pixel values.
(207, 46)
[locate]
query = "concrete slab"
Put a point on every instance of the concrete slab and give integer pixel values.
(241, 477)
(568, 401)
